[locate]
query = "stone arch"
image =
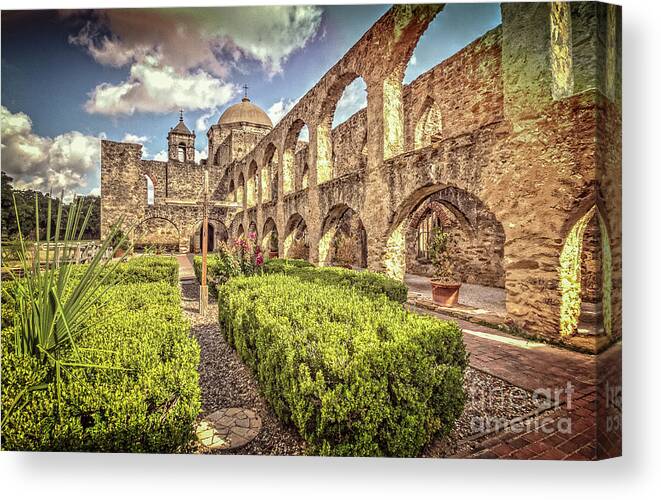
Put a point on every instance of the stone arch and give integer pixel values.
(429, 125)
(481, 237)
(269, 175)
(150, 190)
(241, 190)
(252, 229)
(296, 244)
(324, 143)
(270, 238)
(288, 155)
(181, 152)
(231, 192)
(217, 234)
(240, 232)
(252, 184)
(157, 231)
(343, 238)
(572, 282)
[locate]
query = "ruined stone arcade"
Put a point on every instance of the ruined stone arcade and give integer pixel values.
(512, 142)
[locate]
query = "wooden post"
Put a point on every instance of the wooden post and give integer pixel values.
(204, 292)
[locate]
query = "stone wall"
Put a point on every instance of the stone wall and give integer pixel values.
(521, 161)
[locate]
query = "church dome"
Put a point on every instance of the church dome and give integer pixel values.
(245, 112)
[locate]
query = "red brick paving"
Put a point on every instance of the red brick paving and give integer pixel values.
(583, 427)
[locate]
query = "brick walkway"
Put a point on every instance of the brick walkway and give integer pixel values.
(570, 378)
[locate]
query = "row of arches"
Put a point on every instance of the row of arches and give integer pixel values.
(260, 184)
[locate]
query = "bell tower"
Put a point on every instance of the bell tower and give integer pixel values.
(181, 142)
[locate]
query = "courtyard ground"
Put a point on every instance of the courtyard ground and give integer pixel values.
(525, 399)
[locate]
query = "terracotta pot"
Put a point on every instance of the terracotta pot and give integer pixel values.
(119, 252)
(445, 293)
(273, 254)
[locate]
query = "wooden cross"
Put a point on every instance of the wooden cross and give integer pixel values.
(206, 203)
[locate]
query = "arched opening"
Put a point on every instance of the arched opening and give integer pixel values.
(305, 178)
(211, 242)
(240, 232)
(346, 97)
(231, 192)
(477, 250)
(586, 278)
(181, 152)
(155, 235)
(216, 157)
(241, 190)
(296, 244)
(454, 28)
(270, 238)
(429, 125)
(295, 152)
(150, 190)
(251, 187)
(269, 175)
(343, 239)
(252, 230)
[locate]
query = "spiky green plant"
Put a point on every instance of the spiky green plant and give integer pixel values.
(51, 301)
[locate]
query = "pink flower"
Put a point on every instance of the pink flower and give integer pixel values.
(259, 260)
(252, 236)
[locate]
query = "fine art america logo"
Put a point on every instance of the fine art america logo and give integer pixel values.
(539, 402)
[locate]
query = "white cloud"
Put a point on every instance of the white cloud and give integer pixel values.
(161, 155)
(353, 99)
(202, 123)
(413, 61)
(138, 139)
(68, 162)
(279, 109)
(154, 87)
(214, 38)
(201, 155)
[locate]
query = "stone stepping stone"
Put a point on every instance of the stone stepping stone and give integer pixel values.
(228, 428)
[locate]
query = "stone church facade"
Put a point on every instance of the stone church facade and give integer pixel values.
(513, 144)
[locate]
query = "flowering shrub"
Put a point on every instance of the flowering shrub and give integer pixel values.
(243, 257)
(356, 375)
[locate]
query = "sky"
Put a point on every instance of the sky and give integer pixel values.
(72, 78)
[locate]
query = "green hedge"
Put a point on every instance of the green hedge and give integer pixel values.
(219, 270)
(355, 375)
(366, 282)
(151, 406)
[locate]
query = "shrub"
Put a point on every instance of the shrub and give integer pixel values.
(242, 258)
(143, 269)
(148, 405)
(366, 282)
(356, 375)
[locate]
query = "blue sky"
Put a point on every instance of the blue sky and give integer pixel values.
(69, 78)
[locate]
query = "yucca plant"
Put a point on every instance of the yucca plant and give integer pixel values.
(52, 301)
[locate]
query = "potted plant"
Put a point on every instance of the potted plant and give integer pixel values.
(444, 286)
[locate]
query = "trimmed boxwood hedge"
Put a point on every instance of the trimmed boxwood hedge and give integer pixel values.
(366, 282)
(356, 375)
(145, 269)
(151, 406)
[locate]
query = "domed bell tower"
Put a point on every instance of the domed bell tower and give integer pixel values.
(181, 142)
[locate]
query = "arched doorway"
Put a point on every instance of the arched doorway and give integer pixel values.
(296, 244)
(585, 278)
(155, 234)
(343, 239)
(211, 241)
(270, 238)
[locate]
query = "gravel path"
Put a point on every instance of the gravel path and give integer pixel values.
(225, 381)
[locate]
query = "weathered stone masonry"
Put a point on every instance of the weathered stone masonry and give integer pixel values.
(518, 135)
